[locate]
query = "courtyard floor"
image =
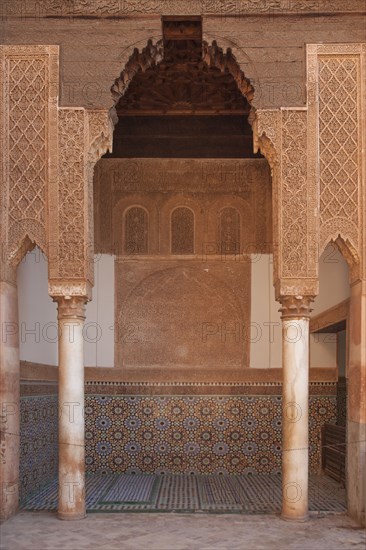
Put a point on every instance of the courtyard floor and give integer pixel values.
(232, 494)
(131, 531)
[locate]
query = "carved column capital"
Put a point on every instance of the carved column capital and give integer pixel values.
(58, 288)
(72, 307)
(295, 307)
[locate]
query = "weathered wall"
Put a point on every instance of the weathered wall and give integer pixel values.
(269, 44)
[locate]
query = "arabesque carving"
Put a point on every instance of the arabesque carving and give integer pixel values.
(72, 194)
(282, 136)
(294, 196)
(83, 137)
(100, 136)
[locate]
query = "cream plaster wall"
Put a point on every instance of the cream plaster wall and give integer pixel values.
(38, 314)
(323, 350)
(99, 330)
(37, 311)
(333, 280)
(266, 343)
(333, 288)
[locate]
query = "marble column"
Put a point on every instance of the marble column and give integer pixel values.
(9, 395)
(10, 399)
(295, 395)
(71, 470)
(356, 404)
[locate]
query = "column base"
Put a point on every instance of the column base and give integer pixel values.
(294, 519)
(70, 516)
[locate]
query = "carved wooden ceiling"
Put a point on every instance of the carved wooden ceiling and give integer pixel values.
(182, 83)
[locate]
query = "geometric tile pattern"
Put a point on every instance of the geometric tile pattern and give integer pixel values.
(166, 435)
(38, 443)
(193, 434)
(130, 488)
(342, 403)
(249, 494)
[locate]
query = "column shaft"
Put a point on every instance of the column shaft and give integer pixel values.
(71, 472)
(295, 398)
(356, 404)
(9, 396)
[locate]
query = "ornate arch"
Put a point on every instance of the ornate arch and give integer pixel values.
(149, 56)
(348, 252)
(182, 230)
(139, 226)
(120, 210)
(214, 56)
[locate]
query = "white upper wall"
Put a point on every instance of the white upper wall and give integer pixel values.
(323, 350)
(38, 314)
(266, 333)
(333, 280)
(333, 288)
(37, 311)
(99, 330)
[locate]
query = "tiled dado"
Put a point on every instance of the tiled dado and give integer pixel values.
(176, 428)
(38, 437)
(191, 433)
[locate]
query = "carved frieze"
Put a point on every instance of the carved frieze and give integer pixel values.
(123, 8)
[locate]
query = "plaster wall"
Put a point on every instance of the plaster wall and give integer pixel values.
(37, 312)
(333, 280)
(99, 329)
(266, 335)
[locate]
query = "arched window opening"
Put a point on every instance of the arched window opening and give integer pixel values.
(136, 231)
(229, 231)
(182, 227)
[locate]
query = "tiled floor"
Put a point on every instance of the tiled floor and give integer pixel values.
(42, 530)
(250, 494)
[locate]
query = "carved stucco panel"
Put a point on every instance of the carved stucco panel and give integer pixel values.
(204, 185)
(27, 146)
(72, 197)
(293, 195)
(282, 136)
(339, 147)
(336, 73)
(83, 137)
